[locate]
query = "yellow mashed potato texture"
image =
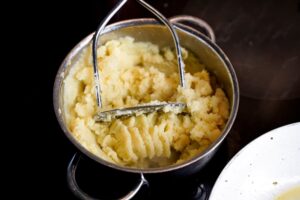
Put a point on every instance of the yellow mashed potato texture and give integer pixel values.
(134, 73)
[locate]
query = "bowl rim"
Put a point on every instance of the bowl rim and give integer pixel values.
(147, 21)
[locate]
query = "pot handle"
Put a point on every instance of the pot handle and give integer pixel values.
(180, 19)
(76, 190)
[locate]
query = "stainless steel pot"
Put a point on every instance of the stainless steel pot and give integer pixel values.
(150, 30)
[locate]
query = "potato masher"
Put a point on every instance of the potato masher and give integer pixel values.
(105, 116)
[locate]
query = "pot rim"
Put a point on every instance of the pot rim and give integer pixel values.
(147, 21)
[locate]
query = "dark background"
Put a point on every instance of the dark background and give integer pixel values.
(261, 38)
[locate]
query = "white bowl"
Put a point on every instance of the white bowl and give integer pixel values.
(264, 169)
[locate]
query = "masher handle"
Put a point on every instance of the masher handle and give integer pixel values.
(164, 20)
(95, 45)
(101, 27)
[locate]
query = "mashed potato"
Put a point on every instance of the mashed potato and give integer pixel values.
(134, 73)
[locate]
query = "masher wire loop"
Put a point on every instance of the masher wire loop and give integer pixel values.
(100, 29)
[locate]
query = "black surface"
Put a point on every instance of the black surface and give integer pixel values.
(261, 38)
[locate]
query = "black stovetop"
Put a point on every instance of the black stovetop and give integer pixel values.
(262, 40)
